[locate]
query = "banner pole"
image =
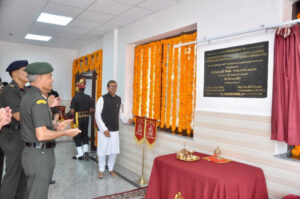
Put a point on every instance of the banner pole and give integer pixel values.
(142, 180)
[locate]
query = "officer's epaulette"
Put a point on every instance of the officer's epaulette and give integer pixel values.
(12, 85)
(41, 101)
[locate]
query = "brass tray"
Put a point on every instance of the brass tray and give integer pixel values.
(191, 159)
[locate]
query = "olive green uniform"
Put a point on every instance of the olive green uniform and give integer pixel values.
(14, 181)
(38, 159)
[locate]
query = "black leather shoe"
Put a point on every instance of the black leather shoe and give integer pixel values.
(52, 182)
(86, 156)
(78, 158)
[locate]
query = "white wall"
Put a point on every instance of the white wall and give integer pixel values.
(60, 59)
(213, 18)
(108, 60)
(287, 9)
(96, 45)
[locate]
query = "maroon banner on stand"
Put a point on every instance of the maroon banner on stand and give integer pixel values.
(151, 132)
(139, 133)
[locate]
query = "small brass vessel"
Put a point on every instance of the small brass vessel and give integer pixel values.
(186, 155)
(217, 153)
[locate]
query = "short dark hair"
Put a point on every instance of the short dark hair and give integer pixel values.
(111, 81)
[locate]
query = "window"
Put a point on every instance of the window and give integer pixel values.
(165, 83)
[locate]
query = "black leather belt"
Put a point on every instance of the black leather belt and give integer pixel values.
(38, 145)
(83, 114)
(13, 127)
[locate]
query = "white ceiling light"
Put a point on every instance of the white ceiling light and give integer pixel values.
(54, 19)
(38, 37)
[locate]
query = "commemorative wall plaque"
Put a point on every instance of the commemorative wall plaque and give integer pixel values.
(240, 71)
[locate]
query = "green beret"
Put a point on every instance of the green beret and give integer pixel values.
(39, 68)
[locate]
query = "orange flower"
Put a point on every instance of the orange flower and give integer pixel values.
(181, 91)
(169, 85)
(175, 90)
(144, 110)
(94, 62)
(164, 85)
(157, 80)
(137, 82)
(164, 82)
(151, 82)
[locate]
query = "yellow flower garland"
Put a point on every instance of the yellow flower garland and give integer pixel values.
(87, 63)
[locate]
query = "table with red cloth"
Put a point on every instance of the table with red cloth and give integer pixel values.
(203, 179)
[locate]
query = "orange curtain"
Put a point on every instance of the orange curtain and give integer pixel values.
(90, 62)
(164, 82)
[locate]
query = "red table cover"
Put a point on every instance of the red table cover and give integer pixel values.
(205, 180)
(291, 196)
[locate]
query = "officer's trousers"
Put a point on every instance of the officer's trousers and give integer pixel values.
(38, 166)
(82, 138)
(14, 181)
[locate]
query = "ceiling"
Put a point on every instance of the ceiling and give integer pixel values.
(91, 19)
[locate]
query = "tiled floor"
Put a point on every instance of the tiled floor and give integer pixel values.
(78, 179)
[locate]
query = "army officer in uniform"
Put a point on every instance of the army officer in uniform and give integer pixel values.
(38, 131)
(14, 181)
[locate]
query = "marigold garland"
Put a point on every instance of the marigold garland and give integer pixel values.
(144, 93)
(87, 63)
(175, 90)
(170, 67)
(139, 82)
(191, 87)
(164, 86)
(151, 77)
(164, 82)
(182, 106)
(136, 82)
(157, 80)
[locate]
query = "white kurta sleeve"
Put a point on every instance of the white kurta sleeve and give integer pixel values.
(98, 112)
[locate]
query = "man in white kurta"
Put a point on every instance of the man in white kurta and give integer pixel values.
(107, 116)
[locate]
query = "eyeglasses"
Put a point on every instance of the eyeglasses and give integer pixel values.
(113, 86)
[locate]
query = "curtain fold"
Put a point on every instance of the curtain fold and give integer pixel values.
(285, 122)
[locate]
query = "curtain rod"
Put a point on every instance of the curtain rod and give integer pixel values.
(291, 22)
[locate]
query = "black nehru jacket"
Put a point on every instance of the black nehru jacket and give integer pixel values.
(110, 111)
